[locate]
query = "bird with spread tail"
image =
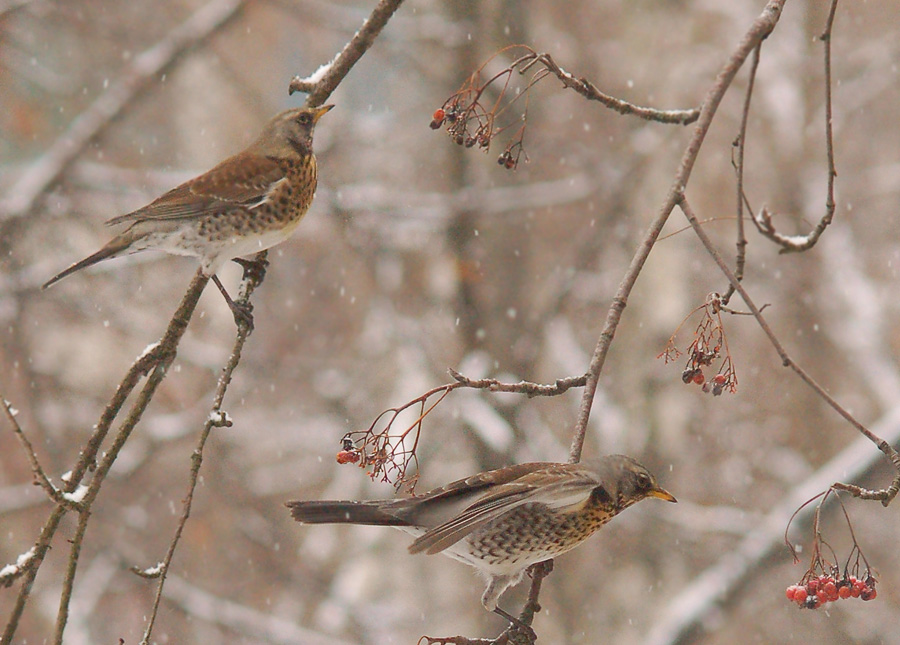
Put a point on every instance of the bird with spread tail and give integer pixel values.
(503, 521)
(248, 203)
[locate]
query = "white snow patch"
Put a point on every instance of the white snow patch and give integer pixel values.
(21, 561)
(149, 348)
(154, 571)
(319, 74)
(77, 495)
(220, 418)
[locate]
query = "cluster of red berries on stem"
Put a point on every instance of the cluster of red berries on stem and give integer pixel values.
(824, 589)
(716, 384)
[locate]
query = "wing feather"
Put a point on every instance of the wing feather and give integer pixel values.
(242, 181)
(559, 486)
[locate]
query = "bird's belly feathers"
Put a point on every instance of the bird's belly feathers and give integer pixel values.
(527, 535)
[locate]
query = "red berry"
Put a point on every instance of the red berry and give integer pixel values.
(868, 594)
(698, 378)
(844, 592)
(720, 379)
(800, 594)
(854, 591)
(812, 585)
(822, 596)
(830, 587)
(437, 119)
(347, 457)
(790, 591)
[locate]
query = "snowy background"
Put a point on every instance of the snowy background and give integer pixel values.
(419, 255)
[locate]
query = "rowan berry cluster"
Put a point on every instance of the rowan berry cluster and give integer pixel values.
(708, 346)
(824, 589)
(458, 116)
(716, 384)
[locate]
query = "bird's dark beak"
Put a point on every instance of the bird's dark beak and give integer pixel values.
(660, 493)
(320, 111)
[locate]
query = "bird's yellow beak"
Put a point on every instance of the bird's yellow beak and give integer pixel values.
(320, 111)
(660, 493)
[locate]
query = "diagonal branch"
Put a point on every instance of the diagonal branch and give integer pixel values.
(216, 418)
(321, 84)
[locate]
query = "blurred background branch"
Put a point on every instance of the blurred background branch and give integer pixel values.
(419, 255)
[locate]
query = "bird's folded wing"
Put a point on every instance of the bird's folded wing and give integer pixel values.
(556, 490)
(240, 181)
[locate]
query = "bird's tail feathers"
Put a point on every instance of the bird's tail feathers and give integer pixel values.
(116, 247)
(326, 512)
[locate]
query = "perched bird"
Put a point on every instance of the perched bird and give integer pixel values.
(246, 204)
(503, 521)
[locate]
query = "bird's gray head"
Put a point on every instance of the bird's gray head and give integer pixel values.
(630, 482)
(289, 134)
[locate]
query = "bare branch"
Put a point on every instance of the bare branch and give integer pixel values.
(738, 162)
(763, 219)
(590, 91)
(323, 83)
(522, 387)
(253, 277)
(886, 495)
(39, 475)
(158, 357)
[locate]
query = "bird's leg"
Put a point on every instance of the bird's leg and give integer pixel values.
(254, 269)
(242, 313)
(517, 624)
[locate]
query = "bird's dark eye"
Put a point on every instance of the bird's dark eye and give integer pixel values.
(643, 480)
(304, 119)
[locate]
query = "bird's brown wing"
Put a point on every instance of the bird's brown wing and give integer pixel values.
(242, 181)
(557, 486)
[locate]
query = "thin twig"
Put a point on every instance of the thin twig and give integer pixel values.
(39, 475)
(760, 29)
(68, 582)
(162, 354)
(763, 219)
(591, 92)
(741, 144)
(527, 388)
(253, 277)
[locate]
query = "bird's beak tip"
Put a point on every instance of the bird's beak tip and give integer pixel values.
(663, 494)
(322, 110)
